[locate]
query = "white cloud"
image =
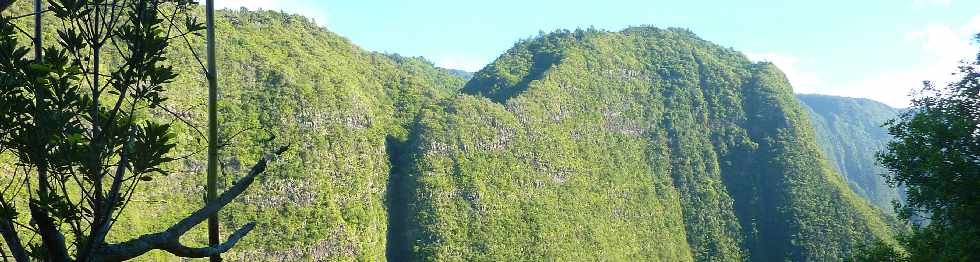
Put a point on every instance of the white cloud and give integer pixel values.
(803, 81)
(465, 63)
(972, 27)
(892, 88)
(944, 46)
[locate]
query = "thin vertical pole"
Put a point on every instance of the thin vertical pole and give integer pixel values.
(212, 192)
(37, 31)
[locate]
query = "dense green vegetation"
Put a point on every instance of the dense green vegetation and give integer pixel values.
(78, 126)
(597, 123)
(850, 131)
(644, 144)
(284, 77)
(936, 155)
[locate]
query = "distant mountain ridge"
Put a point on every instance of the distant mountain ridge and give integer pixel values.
(462, 74)
(850, 132)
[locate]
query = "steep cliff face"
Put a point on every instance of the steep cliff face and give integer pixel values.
(850, 132)
(644, 143)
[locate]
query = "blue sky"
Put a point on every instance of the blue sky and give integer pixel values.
(878, 49)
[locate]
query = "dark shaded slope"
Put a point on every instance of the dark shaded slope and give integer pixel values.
(850, 132)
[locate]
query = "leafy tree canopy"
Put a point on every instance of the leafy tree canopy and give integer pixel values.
(936, 155)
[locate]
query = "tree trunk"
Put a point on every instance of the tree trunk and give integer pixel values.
(212, 192)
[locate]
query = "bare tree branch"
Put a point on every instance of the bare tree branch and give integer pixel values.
(168, 240)
(189, 252)
(52, 239)
(101, 223)
(11, 238)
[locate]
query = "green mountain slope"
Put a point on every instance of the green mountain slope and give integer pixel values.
(585, 140)
(850, 132)
(283, 77)
(645, 144)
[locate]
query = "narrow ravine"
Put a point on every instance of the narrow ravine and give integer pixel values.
(399, 247)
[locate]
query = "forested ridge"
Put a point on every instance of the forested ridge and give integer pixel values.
(640, 144)
(626, 128)
(850, 131)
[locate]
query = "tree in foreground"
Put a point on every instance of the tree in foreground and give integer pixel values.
(78, 129)
(935, 153)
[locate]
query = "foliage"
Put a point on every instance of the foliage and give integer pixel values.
(283, 76)
(77, 126)
(935, 153)
(878, 251)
